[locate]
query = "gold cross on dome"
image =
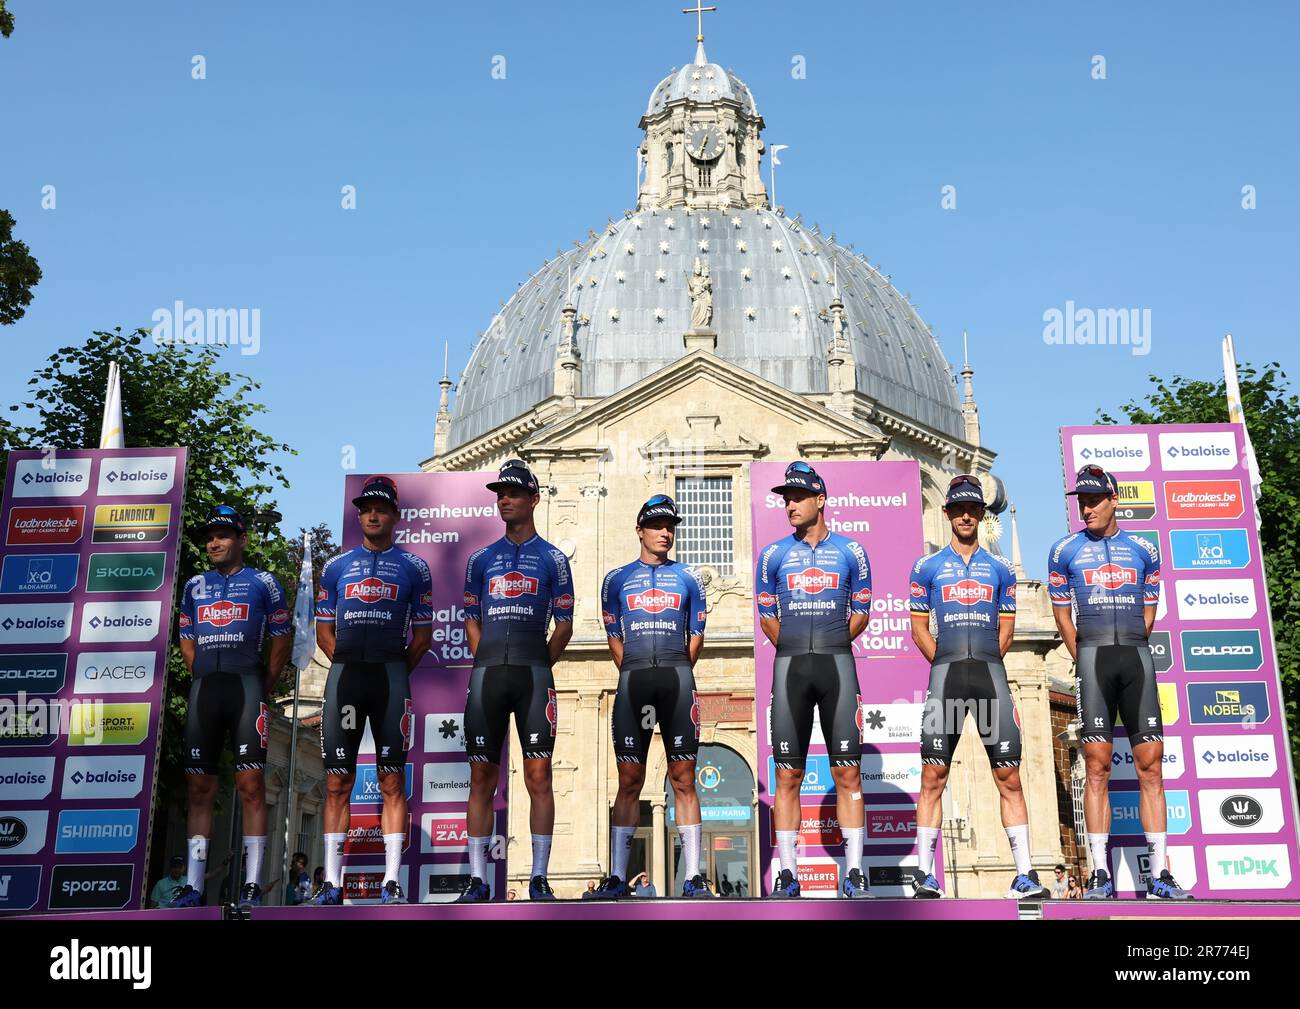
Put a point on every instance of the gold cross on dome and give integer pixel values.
(699, 11)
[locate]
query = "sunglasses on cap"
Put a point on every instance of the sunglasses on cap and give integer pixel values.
(957, 481)
(1092, 469)
(658, 499)
(799, 467)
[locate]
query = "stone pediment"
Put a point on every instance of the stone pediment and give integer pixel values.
(704, 406)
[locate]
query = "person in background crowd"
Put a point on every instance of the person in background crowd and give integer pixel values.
(1075, 891)
(298, 888)
(1059, 884)
(165, 889)
(642, 887)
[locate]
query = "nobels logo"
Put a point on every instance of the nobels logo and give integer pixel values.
(812, 580)
(223, 613)
(968, 592)
(511, 585)
(1111, 576)
(654, 601)
(371, 590)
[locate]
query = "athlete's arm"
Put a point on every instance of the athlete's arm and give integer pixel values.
(1006, 606)
(694, 647)
(187, 652)
(279, 657)
(1006, 631)
(421, 639)
(473, 610)
(185, 625)
(473, 631)
(327, 597)
(922, 636)
(697, 612)
(1151, 588)
(611, 614)
(1065, 626)
(769, 613)
(615, 650)
(772, 628)
(858, 623)
(1149, 615)
(559, 640)
(325, 639)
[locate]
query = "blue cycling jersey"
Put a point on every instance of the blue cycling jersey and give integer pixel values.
(514, 590)
(655, 609)
(1110, 580)
(371, 596)
(967, 598)
(812, 590)
(226, 616)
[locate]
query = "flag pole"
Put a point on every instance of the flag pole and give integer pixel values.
(303, 648)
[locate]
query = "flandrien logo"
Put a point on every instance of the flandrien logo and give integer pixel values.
(76, 962)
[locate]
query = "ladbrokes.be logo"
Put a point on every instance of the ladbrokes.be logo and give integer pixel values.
(36, 526)
(812, 580)
(654, 601)
(968, 592)
(511, 585)
(1203, 499)
(371, 590)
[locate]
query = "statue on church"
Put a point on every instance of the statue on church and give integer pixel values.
(700, 286)
(837, 324)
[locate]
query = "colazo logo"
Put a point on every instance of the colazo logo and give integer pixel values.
(654, 601)
(812, 580)
(371, 590)
(512, 585)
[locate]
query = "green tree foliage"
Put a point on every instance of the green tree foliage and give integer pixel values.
(1273, 420)
(6, 21)
(19, 271)
(171, 395)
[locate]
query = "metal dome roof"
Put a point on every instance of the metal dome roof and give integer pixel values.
(772, 284)
(701, 81)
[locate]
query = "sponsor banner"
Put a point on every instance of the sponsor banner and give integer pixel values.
(22, 831)
(35, 623)
(138, 476)
(1244, 755)
(891, 723)
(444, 732)
(23, 779)
(1241, 703)
(87, 574)
(1131, 867)
(1240, 810)
(443, 833)
(1162, 655)
(126, 572)
(1126, 453)
(39, 574)
(366, 835)
(1222, 651)
(876, 504)
(363, 884)
(818, 826)
(1248, 866)
(20, 887)
(1169, 710)
(1204, 450)
(1204, 500)
(121, 621)
(889, 824)
(1210, 549)
(103, 777)
(443, 882)
(92, 887)
(365, 787)
(819, 878)
(33, 672)
(1123, 768)
(96, 724)
(91, 831)
(45, 525)
(132, 523)
(115, 672)
(1137, 500)
(1215, 598)
(446, 781)
(49, 476)
(1125, 819)
(891, 877)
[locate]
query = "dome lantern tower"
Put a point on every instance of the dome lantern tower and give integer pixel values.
(702, 145)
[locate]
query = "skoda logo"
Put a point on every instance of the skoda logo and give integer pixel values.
(1241, 810)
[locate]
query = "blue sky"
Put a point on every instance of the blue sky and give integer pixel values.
(1116, 193)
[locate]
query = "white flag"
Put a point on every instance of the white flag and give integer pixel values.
(304, 611)
(1237, 415)
(777, 149)
(110, 431)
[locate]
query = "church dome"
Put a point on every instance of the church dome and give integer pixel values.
(772, 286)
(701, 81)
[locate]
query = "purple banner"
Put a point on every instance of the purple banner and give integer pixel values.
(87, 582)
(1229, 786)
(879, 505)
(445, 517)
